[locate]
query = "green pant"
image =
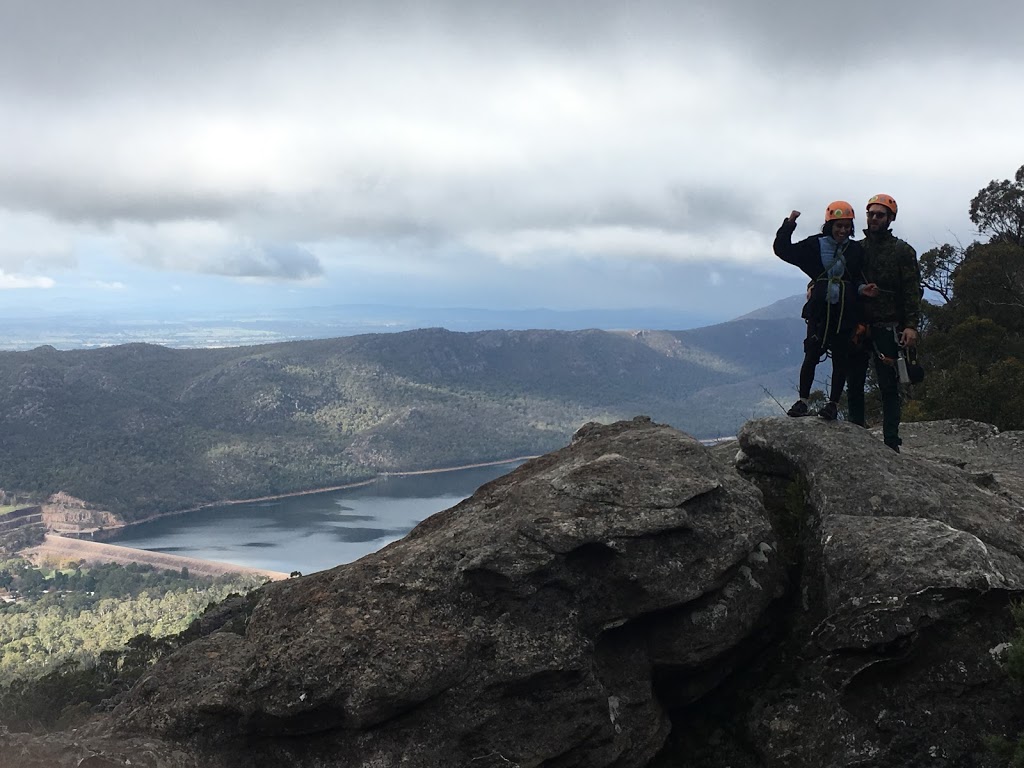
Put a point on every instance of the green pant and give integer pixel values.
(882, 341)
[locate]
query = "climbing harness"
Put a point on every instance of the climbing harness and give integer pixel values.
(908, 370)
(830, 280)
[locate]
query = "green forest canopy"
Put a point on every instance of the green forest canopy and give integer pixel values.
(973, 342)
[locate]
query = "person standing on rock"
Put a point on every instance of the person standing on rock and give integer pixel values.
(892, 313)
(831, 260)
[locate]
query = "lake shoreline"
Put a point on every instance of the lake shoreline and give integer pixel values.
(104, 534)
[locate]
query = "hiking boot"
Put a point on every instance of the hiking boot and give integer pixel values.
(799, 409)
(829, 411)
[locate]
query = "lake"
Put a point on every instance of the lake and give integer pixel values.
(312, 532)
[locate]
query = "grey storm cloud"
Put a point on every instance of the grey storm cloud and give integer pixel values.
(71, 51)
(94, 201)
(43, 39)
(274, 261)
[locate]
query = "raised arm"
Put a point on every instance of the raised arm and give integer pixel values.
(783, 245)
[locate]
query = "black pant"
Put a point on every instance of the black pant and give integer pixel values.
(882, 340)
(820, 339)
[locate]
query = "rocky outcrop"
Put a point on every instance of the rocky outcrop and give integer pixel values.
(896, 637)
(529, 624)
(991, 459)
(70, 516)
(804, 597)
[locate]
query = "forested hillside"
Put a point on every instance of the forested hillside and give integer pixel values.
(973, 343)
(77, 613)
(75, 636)
(143, 428)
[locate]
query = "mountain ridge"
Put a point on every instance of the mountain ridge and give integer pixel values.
(142, 428)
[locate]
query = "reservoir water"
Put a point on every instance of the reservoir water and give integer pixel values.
(312, 532)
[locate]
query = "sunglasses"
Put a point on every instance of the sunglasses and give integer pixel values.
(877, 214)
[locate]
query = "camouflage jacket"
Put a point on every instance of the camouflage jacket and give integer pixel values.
(891, 264)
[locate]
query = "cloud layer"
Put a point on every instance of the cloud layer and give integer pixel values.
(475, 146)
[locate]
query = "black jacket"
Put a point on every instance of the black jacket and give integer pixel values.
(806, 255)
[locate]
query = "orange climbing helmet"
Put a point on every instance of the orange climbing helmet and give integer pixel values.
(839, 209)
(886, 200)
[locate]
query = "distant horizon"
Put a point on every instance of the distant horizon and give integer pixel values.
(189, 328)
(16, 311)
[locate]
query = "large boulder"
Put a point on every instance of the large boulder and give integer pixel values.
(906, 564)
(534, 623)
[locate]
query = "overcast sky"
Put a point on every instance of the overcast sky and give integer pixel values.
(514, 154)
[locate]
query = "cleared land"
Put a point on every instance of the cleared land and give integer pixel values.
(61, 549)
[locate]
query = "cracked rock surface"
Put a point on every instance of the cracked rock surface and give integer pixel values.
(904, 568)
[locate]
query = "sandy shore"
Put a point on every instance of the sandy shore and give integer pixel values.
(61, 549)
